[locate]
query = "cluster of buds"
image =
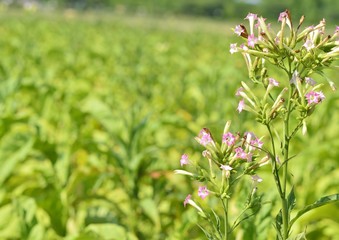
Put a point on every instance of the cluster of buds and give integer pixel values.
(298, 53)
(224, 163)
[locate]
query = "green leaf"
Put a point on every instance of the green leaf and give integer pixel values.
(217, 219)
(37, 233)
(207, 234)
(9, 223)
(100, 111)
(298, 237)
(321, 202)
(278, 224)
(150, 209)
(291, 201)
(110, 231)
(14, 149)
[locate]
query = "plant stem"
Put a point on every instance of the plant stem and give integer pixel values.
(225, 206)
(285, 213)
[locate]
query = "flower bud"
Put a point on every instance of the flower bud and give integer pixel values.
(183, 172)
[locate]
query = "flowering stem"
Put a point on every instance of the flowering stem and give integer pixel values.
(285, 213)
(225, 206)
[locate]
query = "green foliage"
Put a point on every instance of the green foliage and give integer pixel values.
(95, 113)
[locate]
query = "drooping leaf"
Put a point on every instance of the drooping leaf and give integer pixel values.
(13, 149)
(150, 209)
(321, 202)
(110, 231)
(300, 236)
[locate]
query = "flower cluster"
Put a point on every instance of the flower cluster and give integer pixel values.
(309, 49)
(236, 155)
(297, 53)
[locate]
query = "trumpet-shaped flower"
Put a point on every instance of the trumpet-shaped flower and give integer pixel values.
(240, 153)
(203, 192)
(256, 142)
(314, 97)
(189, 196)
(282, 15)
(285, 16)
(253, 141)
(228, 138)
(252, 40)
(239, 91)
(273, 82)
(251, 18)
(204, 137)
(189, 201)
(241, 105)
(184, 160)
(238, 30)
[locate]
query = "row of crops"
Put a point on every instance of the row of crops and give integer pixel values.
(95, 113)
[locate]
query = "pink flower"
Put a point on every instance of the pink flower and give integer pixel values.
(251, 16)
(204, 137)
(273, 82)
(203, 192)
(282, 15)
(184, 160)
(239, 91)
(314, 97)
(228, 138)
(187, 199)
(241, 106)
(256, 142)
(337, 29)
(239, 153)
(238, 30)
(251, 40)
(233, 48)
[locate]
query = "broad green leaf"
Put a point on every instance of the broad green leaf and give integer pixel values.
(300, 236)
(321, 202)
(37, 233)
(9, 223)
(110, 231)
(100, 111)
(14, 148)
(150, 209)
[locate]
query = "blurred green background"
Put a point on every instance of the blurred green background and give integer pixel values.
(99, 99)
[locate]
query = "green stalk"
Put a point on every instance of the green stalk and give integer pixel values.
(275, 170)
(225, 206)
(285, 213)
